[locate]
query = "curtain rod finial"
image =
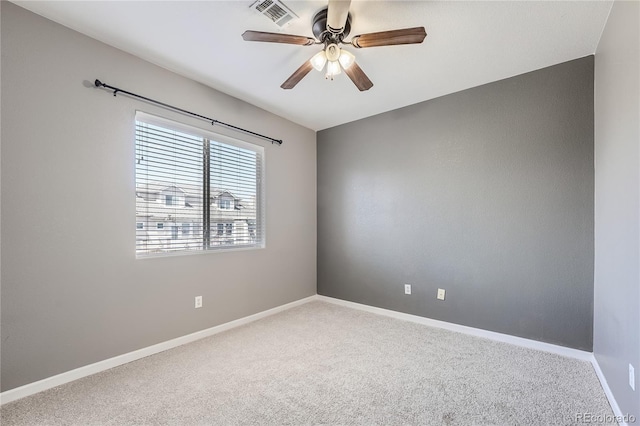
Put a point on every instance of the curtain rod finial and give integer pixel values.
(98, 83)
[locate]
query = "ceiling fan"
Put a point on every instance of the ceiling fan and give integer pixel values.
(330, 27)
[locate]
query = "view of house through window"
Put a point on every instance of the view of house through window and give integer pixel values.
(195, 190)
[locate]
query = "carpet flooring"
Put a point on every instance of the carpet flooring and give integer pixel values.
(323, 364)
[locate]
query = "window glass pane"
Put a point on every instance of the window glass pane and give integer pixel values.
(172, 161)
(235, 177)
(168, 187)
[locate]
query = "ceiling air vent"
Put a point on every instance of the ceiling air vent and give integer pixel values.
(275, 10)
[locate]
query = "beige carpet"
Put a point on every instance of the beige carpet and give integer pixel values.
(321, 364)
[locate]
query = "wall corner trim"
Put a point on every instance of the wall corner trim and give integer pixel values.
(607, 391)
(87, 370)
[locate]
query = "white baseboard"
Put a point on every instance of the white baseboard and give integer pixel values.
(492, 335)
(87, 370)
(78, 373)
(607, 391)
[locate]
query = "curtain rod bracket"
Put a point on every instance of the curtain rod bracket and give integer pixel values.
(98, 83)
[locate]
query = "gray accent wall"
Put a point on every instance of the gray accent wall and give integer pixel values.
(486, 193)
(616, 334)
(72, 290)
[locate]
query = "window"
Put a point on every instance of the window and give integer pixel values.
(225, 204)
(251, 227)
(139, 225)
(177, 168)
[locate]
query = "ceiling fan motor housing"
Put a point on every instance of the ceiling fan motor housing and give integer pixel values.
(321, 32)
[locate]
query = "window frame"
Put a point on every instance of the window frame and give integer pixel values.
(227, 204)
(260, 194)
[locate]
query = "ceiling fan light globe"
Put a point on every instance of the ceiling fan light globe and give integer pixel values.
(318, 60)
(333, 69)
(346, 59)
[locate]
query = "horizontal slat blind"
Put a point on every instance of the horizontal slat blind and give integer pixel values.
(171, 181)
(234, 176)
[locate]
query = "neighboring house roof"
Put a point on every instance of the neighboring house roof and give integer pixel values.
(155, 187)
(150, 203)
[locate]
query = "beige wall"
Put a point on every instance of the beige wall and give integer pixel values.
(73, 292)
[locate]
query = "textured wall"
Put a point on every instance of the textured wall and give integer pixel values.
(616, 330)
(72, 291)
(487, 193)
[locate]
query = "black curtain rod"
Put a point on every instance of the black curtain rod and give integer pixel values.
(213, 122)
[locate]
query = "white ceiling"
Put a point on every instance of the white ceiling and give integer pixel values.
(467, 44)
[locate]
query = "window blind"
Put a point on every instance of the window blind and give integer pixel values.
(195, 190)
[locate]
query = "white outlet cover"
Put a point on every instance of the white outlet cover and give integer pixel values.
(198, 302)
(407, 289)
(441, 294)
(632, 377)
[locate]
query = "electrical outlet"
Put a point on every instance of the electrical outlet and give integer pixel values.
(632, 377)
(407, 289)
(198, 302)
(441, 293)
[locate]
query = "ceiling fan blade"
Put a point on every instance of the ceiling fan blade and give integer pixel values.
(297, 75)
(337, 13)
(277, 38)
(358, 77)
(388, 38)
